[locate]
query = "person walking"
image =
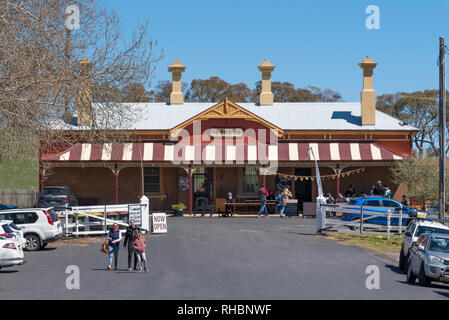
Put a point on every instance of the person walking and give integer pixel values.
(139, 246)
(263, 193)
(129, 238)
(285, 195)
(114, 237)
(278, 198)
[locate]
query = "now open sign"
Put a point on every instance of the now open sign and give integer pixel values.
(159, 223)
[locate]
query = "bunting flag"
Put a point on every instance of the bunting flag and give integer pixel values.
(329, 176)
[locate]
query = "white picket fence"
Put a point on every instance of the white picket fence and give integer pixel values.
(327, 223)
(95, 220)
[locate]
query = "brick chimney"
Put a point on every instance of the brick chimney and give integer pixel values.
(266, 96)
(84, 93)
(368, 95)
(176, 95)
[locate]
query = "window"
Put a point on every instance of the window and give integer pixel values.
(422, 229)
(24, 217)
(391, 204)
(250, 180)
(372, 203)
(151, 180)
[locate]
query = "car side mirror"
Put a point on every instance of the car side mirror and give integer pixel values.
(420, 248)
(407, 234)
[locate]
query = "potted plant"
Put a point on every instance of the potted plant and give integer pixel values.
(178, 209)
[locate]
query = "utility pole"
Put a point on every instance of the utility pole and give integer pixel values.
(442, 127)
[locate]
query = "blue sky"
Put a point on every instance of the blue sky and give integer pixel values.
(315, 43)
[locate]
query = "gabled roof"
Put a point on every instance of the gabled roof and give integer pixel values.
(226, 109)
(282, 115)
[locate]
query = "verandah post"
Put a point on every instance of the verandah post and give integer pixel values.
(190, 190)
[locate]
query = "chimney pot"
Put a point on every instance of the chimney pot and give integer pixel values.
(176, 95)
(85, 93)
(368, 94)
(266, 96)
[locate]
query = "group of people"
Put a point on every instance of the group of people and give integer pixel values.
(376, 190)
(135, 243)
(280, 197)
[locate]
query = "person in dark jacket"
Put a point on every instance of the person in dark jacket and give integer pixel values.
(379, 189)
(350, 192)
(114, 237)
(129, 238)
(263, 193)
(228, 208)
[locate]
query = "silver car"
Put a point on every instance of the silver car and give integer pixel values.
(429, 259)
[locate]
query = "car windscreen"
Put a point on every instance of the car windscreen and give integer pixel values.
(13, 226)
(53, 215)
(438, 244)
(7, 229)
(53, 192)
(423, 229)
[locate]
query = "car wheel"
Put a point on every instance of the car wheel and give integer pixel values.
(411, 278)
(423, 280)
(402, 260)
(33, 242)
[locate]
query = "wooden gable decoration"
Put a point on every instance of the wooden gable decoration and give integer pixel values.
(226, 109)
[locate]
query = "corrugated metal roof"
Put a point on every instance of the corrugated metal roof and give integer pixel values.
(285, 115)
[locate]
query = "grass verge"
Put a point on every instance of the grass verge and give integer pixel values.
(374, 242)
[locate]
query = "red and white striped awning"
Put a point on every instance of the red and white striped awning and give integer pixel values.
(225, 154)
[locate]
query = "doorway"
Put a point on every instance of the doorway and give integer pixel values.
(203, 179)
(303, 189)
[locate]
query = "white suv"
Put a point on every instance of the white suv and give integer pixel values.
(413, 231)
(11, 252)
(39, 226)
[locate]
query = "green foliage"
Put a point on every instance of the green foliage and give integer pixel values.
(178, 206)
(421, 177)
(420, 110)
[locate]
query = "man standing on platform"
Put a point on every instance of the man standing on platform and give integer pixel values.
(263, 193)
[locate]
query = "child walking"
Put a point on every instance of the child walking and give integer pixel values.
(139, 246)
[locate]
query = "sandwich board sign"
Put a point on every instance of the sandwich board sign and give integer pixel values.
(135, 213)
(159, 223)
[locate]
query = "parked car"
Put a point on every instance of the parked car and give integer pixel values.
(413, 231)
(7, 206)
(429, 259)
(376, 201)
(7, 228)
(11, 253)
(37, 225)
(56, 197)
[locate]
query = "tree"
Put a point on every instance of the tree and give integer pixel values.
(135, 92)
(421, 177)
(420, 110)
(40, 74)
(324, 95)
(213, 89)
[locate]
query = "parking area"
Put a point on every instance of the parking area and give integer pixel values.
(217, 258)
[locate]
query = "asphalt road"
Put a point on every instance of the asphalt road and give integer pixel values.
(218, 258)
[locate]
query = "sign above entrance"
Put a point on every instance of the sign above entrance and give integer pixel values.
(226, 132)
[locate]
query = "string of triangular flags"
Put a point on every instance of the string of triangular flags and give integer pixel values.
(329, 176)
